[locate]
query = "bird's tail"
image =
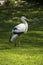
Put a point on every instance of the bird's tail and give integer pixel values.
(12, 37)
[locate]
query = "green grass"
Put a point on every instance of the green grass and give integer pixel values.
(30, 51)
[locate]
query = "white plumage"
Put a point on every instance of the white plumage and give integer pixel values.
(19, 29)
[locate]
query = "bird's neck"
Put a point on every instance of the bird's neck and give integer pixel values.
(26, 24)
(24, 21)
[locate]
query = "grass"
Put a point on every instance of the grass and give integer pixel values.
(30, 51)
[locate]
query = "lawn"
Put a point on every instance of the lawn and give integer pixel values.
(30, 51)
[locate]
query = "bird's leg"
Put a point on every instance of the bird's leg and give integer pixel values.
(15, 42)
(19, 41)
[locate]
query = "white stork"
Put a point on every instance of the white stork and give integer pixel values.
(19, 29)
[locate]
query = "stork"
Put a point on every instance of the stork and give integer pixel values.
(19, 29)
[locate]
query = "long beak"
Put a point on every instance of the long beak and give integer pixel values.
(28, 20)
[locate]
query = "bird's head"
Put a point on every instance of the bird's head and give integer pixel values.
(24, 18)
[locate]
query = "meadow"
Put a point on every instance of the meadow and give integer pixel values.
(30, 51)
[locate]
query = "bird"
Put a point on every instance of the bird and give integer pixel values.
(19, 29)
